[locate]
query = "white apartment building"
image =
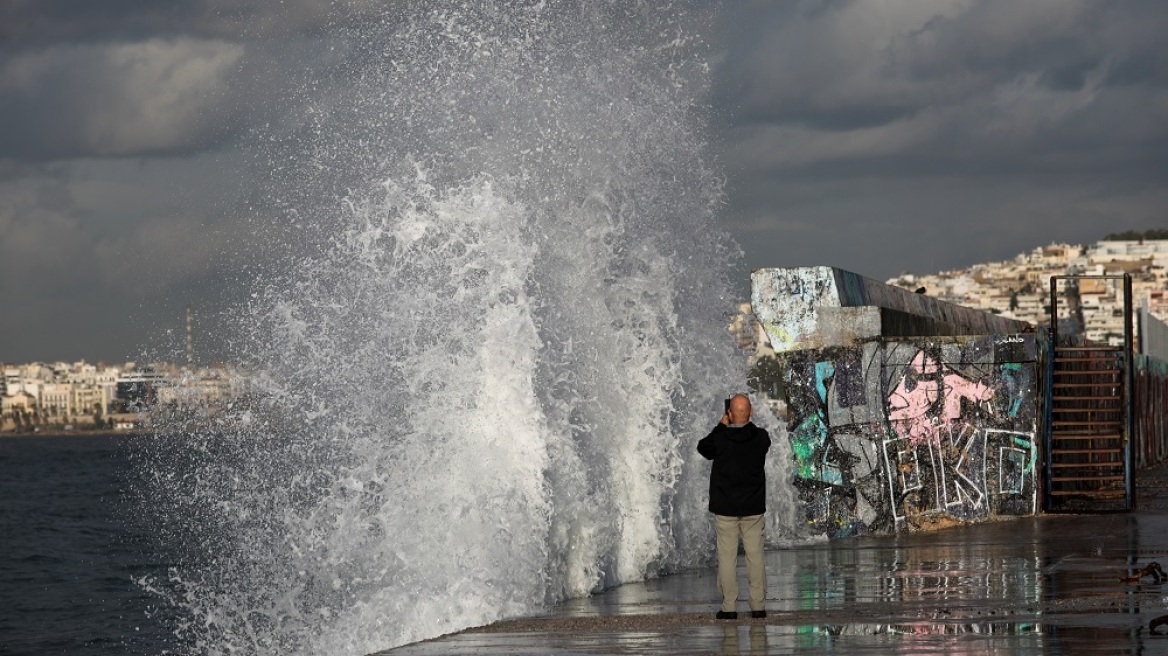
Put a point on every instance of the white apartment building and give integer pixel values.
(1020, 287)
(10, 403)
(20, 384)
(88, 399)
(93, 385)
(56, 399)
(1154, 250)
(76, 392)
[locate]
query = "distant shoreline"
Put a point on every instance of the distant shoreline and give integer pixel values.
(103, 432)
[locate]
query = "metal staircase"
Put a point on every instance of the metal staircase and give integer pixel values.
(1088, 417)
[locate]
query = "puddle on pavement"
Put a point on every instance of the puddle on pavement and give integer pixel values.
(918, 639)
(1043, 566)
(1047, 585)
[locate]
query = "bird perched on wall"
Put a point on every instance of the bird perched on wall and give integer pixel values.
(1151, 569)
(920, 290)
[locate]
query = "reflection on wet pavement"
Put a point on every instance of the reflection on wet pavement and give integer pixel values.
(1039, 585)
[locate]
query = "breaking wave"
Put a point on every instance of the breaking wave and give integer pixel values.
(478, 390)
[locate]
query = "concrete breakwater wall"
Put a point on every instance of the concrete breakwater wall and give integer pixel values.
(809, 307)
(904, 412)
(1150, 405)
(906, 435)
(909, 413)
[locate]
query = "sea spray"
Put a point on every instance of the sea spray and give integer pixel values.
(478, 387)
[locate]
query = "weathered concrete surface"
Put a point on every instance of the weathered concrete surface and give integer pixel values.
(907, 435)
(1033, 585)
(810, 307)
(1150, 403)
(904, 412)
(1153, 335)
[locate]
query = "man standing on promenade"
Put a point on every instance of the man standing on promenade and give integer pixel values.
(738, 501)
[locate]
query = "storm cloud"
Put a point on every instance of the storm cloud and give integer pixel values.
(114, 100)
(876, 135)
(892, 135)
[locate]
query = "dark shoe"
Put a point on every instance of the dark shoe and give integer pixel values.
(723, 615)
(758, 614)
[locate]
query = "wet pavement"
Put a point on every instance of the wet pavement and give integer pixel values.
(1040, 585)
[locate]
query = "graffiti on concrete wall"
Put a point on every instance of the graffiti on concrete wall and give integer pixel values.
(891, 435)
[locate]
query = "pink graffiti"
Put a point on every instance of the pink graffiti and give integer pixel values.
(908, 409)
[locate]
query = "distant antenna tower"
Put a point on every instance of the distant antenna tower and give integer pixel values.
(190, 337)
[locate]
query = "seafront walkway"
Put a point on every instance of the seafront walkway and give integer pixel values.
(1049, 584)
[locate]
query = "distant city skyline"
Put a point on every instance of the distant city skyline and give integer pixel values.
(879, 137)
(993, 297)
(68, 395)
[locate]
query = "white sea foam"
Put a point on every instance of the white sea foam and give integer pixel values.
(481, 385)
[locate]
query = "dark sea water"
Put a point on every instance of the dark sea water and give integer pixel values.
(73, 537)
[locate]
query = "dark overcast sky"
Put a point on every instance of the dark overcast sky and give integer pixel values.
(879, 136)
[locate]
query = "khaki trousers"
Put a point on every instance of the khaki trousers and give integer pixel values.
(728, 530)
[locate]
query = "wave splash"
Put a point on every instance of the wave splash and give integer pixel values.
(481, 384)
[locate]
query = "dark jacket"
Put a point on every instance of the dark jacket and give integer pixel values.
(737, 480)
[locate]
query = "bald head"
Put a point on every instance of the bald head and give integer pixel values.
(740, 410)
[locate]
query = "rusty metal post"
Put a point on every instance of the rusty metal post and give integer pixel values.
(1048, 401)
(1129, 405)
